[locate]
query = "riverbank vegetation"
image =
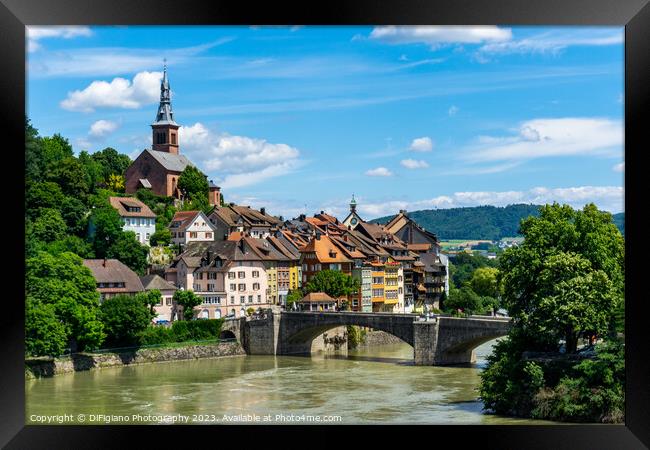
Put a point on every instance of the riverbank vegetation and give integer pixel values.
(564, 283)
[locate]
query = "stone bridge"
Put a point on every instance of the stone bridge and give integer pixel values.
(439, 341)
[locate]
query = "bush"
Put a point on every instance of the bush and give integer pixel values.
(156, 335)
(591, 392)
(181, 331)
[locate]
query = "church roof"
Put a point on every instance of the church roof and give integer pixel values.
(170, 161)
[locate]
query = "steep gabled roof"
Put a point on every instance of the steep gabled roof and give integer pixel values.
(154, 281)
(122, 203)
(183, 219)
(170, 161)
(326, 251)
(114, 271)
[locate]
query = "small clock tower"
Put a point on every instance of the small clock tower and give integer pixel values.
(353, 219)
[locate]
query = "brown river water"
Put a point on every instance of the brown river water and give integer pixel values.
(371, 385)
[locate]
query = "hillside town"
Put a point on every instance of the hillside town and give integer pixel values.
(236, 257)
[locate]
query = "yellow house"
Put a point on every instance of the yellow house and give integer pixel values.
(391, 294)
(378, 286)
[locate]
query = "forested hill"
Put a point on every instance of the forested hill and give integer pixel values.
(478, 222)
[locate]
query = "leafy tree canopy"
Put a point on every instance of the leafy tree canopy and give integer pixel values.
(129, 251)
(49, 226)
(125, 317)
(105, 228)
(571, 267)
(65, 283)
(193, 184)
(188, 300)
(334, 283)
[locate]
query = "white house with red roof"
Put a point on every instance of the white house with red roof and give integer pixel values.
(191, 226)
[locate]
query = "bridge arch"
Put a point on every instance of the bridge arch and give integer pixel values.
(458, 338)
(301, 331)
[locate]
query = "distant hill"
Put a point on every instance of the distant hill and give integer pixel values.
(478, 222)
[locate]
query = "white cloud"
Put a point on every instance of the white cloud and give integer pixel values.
(619, 167)
(423, 144)
(434, 36)
(102, 128)
(119, 93)
(414, 164)
(540, 138)
(379, 172)
(239, 160)
(555, 41)
(453, 110)
(35, 33)
(110, 61)
(609, 198)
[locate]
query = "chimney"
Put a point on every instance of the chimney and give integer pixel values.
(302, 217)
(209, 257)
(322, 212)
(402, 211)
(263, 211)
(104, 263)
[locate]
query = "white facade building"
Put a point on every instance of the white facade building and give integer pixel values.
(136, 217)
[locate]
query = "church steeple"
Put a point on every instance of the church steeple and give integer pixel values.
(165, 129)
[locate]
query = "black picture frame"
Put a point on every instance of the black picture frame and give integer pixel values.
(633, 14)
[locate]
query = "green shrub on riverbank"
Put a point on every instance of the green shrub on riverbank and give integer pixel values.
(181, 331)
(593, 393)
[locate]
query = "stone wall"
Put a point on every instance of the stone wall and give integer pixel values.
(47, 367)
(380, 338)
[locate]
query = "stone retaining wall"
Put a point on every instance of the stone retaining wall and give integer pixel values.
(380, 338)
(47, 367)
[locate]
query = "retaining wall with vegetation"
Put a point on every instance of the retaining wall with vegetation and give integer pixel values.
(47, 367)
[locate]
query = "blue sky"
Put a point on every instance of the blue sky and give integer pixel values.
(297, 119)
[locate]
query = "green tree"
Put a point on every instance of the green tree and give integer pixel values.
(334, 283)
(130, 252)
(484, 282)
(40, 195)
(72, 244)
(54, 150)
(152, 298)
(464, 298)
(188, 300)
(93, 169)
(49, 226)
(105, 228)
(74, 212)
(193, 184)
(161, 237)
(65, 283)
(33, 152)
(569, 267)
(71, 176)
(45, 334)
(124, 318)
(564, 280)
(293, 296)
(112, 162)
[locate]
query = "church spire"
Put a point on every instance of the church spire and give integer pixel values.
(165, 129)
(165, 114)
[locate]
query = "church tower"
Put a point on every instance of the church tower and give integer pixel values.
(165, 130)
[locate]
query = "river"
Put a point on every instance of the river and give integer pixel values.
(371, 385)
